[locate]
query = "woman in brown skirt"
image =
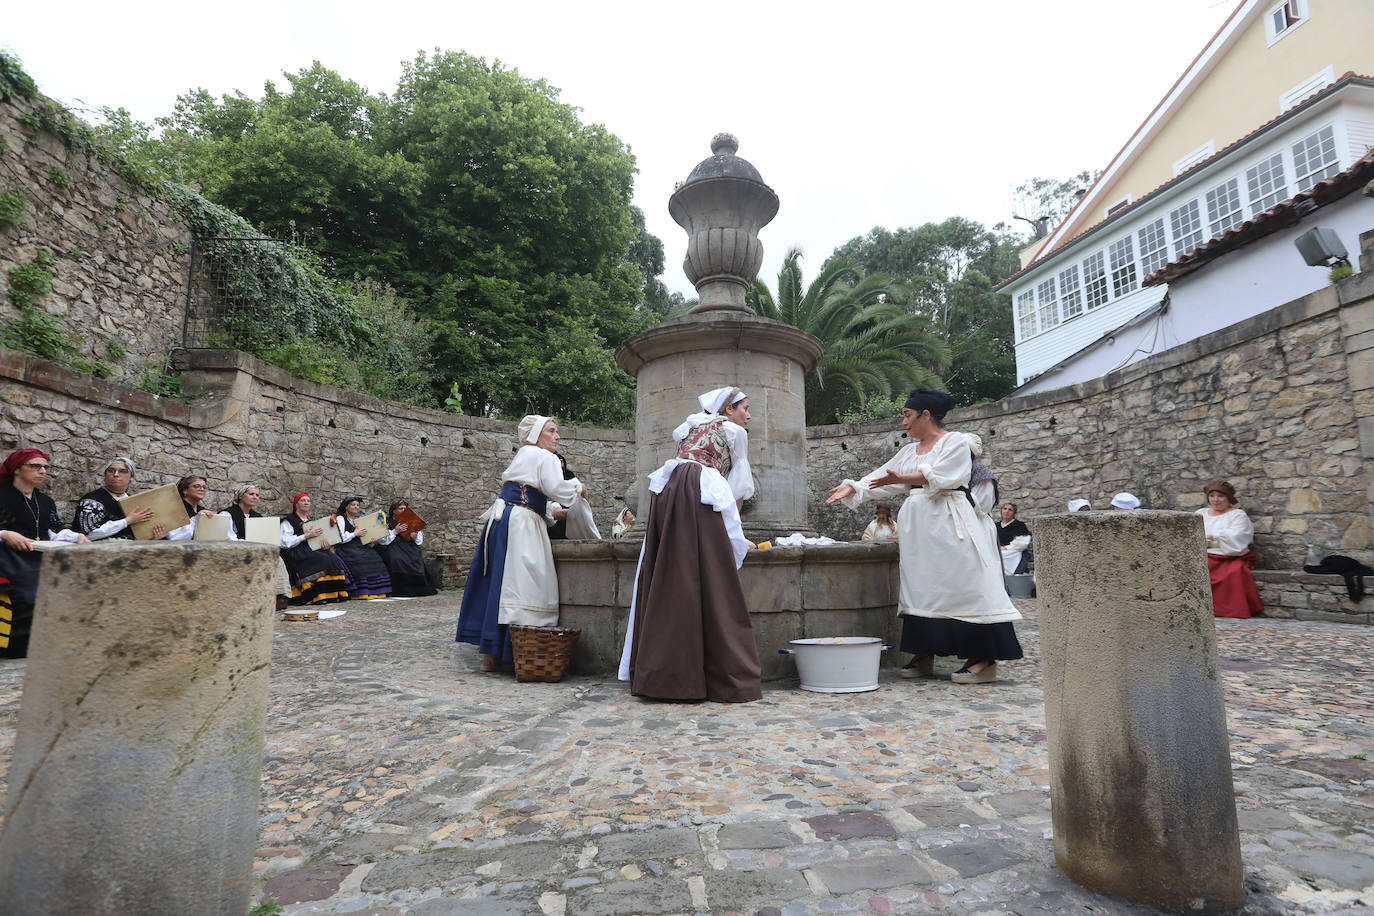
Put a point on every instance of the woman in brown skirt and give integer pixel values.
(689, 636)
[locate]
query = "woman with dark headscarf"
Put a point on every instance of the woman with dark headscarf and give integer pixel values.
(365, 567)
(952, 600)
(26, 515)
(689, 635)
(317, 576)
(512, 579)
(1229, 559)
(99, 514)
(400, 550)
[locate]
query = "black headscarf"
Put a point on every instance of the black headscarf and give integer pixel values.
(937, 402)
(348, 522)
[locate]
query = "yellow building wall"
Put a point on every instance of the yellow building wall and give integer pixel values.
(1242, 92)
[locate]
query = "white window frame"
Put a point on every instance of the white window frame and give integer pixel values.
(1188, 238)
(1070, 294)
(1205, 151)
(1305, 174)
(1308, 87)
(1048, 304)
(1025, 314)
(1298, 11)
(1121, 259)
(1226, 193)
(1261, 197)
(1154, 246)
(1095, 284)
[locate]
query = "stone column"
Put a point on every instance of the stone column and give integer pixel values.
(134, 785)
(1140, 765)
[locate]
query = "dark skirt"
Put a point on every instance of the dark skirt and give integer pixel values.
(1233, 586)
(368, 574)
(480, 613)
(317, 576)
(18, 592)
(972, 641)
(692, 637)
(409, 578)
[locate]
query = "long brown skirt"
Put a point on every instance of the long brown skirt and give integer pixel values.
(692, 638)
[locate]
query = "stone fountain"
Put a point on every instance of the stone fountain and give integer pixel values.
(792, 592)
(722, 206)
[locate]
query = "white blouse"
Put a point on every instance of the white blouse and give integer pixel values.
(1228, 534)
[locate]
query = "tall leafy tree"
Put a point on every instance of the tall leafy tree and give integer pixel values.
(492, 209)
(873, 347)
(946, 272)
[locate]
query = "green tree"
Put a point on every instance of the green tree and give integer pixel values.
(946, 272)
(501, 218)
(873, 347)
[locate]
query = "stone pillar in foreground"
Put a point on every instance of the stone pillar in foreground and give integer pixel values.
(134, 784)
(1140, 764)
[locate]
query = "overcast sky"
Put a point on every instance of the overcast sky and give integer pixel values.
(858, 114)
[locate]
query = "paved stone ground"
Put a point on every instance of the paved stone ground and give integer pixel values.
(399, 779)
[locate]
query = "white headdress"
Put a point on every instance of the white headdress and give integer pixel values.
(1125, 501)
(120, 459)
(711, 403)
(531, 426)
(1076, 504)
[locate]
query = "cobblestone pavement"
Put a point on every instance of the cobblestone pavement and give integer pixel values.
(399, 779)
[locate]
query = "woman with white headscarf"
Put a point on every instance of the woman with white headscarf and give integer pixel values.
(512, 579)
(689, 636)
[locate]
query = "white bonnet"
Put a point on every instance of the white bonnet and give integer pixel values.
(531, 426)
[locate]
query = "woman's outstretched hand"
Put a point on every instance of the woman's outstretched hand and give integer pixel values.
(843, 491)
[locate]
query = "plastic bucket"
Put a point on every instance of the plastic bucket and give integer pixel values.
(837, 664)
(1022, 586)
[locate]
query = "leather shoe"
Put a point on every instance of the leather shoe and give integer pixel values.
(919, 667)
(986, 676)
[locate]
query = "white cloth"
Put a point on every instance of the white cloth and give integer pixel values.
(1125, 501)
(391, 535)
(948, 549)
(1232, 530)
(876, 532)
(529, 584)
(797, 539)
(1011, 554)
(581, 525)
(1076, 504)
(530, 427)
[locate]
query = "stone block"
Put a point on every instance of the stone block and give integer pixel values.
(873, 873)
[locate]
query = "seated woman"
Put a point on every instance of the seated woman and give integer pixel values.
(623, 523)
(1013, 538)
(245, 506)
(99, 514)
(882, 528)
(317, 576)
(1229, 560)
(193, 489)
(26, 515)
(368, 572)
(400, 550)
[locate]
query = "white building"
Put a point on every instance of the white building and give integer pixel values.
(1085, 304)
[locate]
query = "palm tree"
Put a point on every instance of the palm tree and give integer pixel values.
(873, 347)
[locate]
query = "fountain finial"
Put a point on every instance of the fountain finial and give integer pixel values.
(722, 205)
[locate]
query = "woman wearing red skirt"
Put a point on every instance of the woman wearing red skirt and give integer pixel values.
(1229, 559)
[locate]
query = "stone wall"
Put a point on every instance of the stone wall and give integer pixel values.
(1282, 405)
(120, 256)
(249, 422)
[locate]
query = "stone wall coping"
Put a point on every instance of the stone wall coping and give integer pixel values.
(239, 361)
(719, 330)
(1298, 577)
(41, 373)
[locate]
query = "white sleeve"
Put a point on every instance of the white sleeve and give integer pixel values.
(390, 536)
(186, 532)
(289, 538)
(344, 534)
(113, 526)
(419, 538)
(551, 482)
(66, 534)
(1235, 534)
(741, 476)
(233, 535)
(948, 465)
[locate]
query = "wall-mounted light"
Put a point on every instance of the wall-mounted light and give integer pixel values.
(1321, 247)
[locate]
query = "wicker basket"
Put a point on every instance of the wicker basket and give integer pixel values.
(542, 653)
